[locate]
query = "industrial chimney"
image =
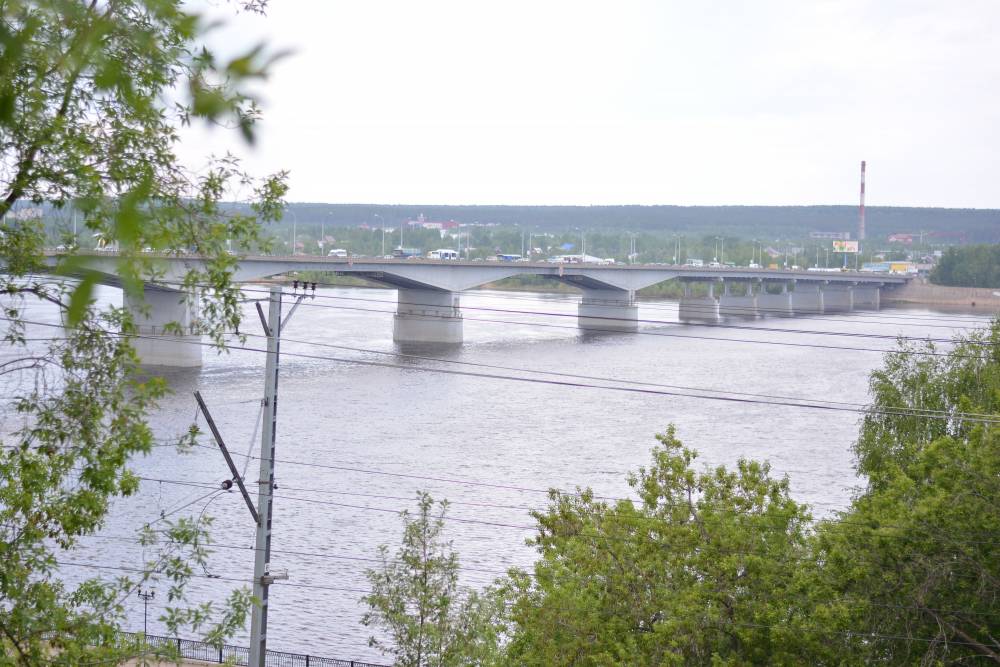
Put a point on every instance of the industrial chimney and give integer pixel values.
(861, 219)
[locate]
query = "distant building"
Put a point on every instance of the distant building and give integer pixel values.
(836, 236)
(423, 222)
(905, 239)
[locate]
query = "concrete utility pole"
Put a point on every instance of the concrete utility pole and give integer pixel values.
(262, 556)
(263, 575)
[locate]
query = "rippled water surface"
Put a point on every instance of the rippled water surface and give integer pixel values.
(355, 441)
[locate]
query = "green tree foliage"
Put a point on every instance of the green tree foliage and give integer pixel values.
(723, 567)
(84, 121)
(696, 572)
(914, 564)
(427, 619)
(971, 266)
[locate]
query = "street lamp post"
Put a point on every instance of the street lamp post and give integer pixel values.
(295, 222)
(382, 225)
(146, 596)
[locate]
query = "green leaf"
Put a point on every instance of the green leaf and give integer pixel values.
(80, 299)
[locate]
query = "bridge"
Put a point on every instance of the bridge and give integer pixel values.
(428, 304)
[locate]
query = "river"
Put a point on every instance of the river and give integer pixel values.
(356, 441)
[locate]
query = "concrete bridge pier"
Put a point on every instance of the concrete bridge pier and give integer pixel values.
(838, 298)
(867, 297)
(738, 305)
(608, 310)
(699, 309)
(807, 298)
(779, 304)
(427, 316)
(165, 322)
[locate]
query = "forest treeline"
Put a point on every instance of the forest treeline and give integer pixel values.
(765, 222)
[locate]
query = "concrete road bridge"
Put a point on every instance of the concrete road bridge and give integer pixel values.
(428, 304)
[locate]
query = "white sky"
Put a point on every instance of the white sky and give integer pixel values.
(628, 102)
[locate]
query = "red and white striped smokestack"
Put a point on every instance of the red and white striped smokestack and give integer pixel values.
(861, 219)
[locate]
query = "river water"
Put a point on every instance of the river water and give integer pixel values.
(357, 441)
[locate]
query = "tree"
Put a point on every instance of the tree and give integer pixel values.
(417, 602)
(971, 266)
(914, 564)
(85, 122)
(695, 572)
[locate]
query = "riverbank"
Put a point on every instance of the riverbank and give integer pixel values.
(918, 292)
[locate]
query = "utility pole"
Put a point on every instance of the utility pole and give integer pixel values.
(263, 575)
(262, 556)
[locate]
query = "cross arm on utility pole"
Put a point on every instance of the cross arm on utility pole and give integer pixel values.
(229, 459)
(263, 319)
(292, 311)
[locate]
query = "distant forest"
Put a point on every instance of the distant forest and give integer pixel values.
(939, 225)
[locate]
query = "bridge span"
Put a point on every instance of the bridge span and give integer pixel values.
(428, 304)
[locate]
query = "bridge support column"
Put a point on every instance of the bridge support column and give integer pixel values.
(779, 304)
(867, 297)
(427, 316)
(807, 298)
(157, 342)
(838, 298)
(608, 310)
(738, 305)
(700, 309)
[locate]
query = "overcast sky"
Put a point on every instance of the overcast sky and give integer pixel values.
(619, 102)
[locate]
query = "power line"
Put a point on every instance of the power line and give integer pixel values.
(483, 365)
(640, 520)
(912, 412)
(656, 303)
(662, 322)
(657, 322)
(646, 332)
(368, 559)
(655, 306)
(860, 406)
(778, 343)
(217, 577)
(303, 554)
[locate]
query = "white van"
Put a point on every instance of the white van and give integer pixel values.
(443, 253)
(337, 252)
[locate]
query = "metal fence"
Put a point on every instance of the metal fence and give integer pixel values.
(240, 655)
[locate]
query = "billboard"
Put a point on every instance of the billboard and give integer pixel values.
(845, 246)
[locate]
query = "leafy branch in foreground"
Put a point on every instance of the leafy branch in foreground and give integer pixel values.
(88, 119)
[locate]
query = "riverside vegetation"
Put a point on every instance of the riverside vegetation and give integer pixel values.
(969, 266)
(717, 566)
